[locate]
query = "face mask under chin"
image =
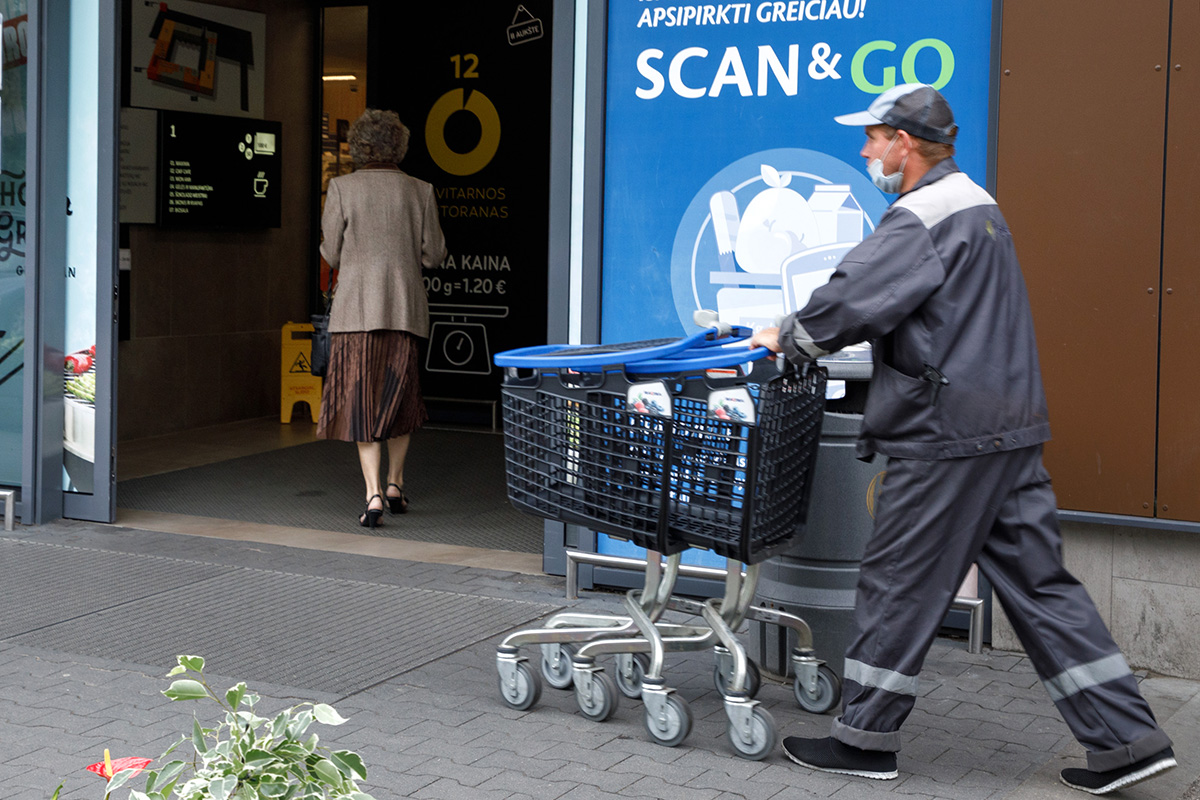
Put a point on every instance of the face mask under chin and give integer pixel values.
(887, 183)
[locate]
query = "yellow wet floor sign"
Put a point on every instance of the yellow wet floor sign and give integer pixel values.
(297, 384)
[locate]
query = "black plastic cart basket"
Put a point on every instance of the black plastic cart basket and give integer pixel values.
(668, 462)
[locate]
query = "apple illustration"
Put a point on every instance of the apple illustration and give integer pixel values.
(777, 224)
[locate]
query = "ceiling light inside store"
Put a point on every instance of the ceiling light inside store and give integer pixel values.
(339, 77)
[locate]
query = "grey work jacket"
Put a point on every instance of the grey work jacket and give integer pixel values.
(939, 293)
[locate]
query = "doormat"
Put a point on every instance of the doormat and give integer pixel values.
(454, 481)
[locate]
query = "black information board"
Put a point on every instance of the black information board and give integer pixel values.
(218, 171)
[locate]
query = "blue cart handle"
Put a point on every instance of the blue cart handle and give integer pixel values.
(556, 356)
(698, 359)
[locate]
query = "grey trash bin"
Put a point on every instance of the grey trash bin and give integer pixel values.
(815, 578)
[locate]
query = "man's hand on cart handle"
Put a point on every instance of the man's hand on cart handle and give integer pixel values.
(768, 338)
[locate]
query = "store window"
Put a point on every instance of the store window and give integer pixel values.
(13, 235)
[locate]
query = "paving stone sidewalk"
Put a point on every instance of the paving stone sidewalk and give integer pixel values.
(431, 725)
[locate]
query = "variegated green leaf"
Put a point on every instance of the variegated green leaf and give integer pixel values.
(120, 779)
(350, 763)
(279, 725)
(235, 694)
(327, 772)
(195, 663)
(221, 788)
(257, 759)
(186, 690)
(327, 715)
(291, 750)
(272, 789)
(198, 738)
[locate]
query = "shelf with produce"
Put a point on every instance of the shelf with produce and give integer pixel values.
(79, 394)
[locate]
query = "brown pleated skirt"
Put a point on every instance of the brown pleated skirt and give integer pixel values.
(372, 388)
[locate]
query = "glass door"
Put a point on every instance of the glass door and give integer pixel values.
(79, 362)
(63, 209)
(89, 336)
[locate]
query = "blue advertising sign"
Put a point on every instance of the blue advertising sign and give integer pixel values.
(727, 183)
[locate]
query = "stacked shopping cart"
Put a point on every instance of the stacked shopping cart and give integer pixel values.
(674, 444)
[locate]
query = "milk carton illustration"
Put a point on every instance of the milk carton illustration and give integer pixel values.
(839, 216)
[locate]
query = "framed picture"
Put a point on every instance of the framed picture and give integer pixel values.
(188, 56)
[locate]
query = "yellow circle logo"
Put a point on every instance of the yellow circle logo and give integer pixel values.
(435, 132)
(873, 490)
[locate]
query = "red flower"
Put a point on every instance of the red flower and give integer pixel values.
(106, 769)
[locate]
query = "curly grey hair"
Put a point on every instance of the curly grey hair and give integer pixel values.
(378, 136)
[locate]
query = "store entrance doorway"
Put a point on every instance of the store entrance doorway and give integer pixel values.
(272, 480)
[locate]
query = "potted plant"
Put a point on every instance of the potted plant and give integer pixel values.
(244, 756)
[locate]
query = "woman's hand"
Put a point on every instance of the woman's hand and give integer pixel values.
(768, 338)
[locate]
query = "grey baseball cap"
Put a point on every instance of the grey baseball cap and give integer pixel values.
(917, 108)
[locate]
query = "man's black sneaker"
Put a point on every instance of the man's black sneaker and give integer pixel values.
(1104, 782)
(830, 755)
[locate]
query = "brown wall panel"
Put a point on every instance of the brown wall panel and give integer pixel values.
(1179, 384)
(1079, 176)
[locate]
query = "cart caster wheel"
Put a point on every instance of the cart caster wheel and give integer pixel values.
(675, 725)
(753, 679)
(558, 675)
(599, 704)
(762, 736)
(829, 692)
(631, 684)
(524, 692)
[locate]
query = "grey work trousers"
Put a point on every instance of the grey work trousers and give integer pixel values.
(934, 519)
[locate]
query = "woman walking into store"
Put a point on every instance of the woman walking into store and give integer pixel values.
(380, 228)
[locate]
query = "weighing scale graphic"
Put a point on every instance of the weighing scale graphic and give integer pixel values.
(458, 344)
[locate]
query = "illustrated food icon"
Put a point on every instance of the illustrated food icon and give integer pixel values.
(778, 223)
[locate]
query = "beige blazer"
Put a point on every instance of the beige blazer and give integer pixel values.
(380, 227)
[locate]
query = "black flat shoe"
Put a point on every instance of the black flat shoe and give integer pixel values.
(1104, 782)
(370, 517)
(397, 505)
(830, 755)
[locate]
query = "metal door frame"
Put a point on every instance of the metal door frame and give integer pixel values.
(42, 495)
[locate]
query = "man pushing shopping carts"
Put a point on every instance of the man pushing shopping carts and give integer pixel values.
(957, 407)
